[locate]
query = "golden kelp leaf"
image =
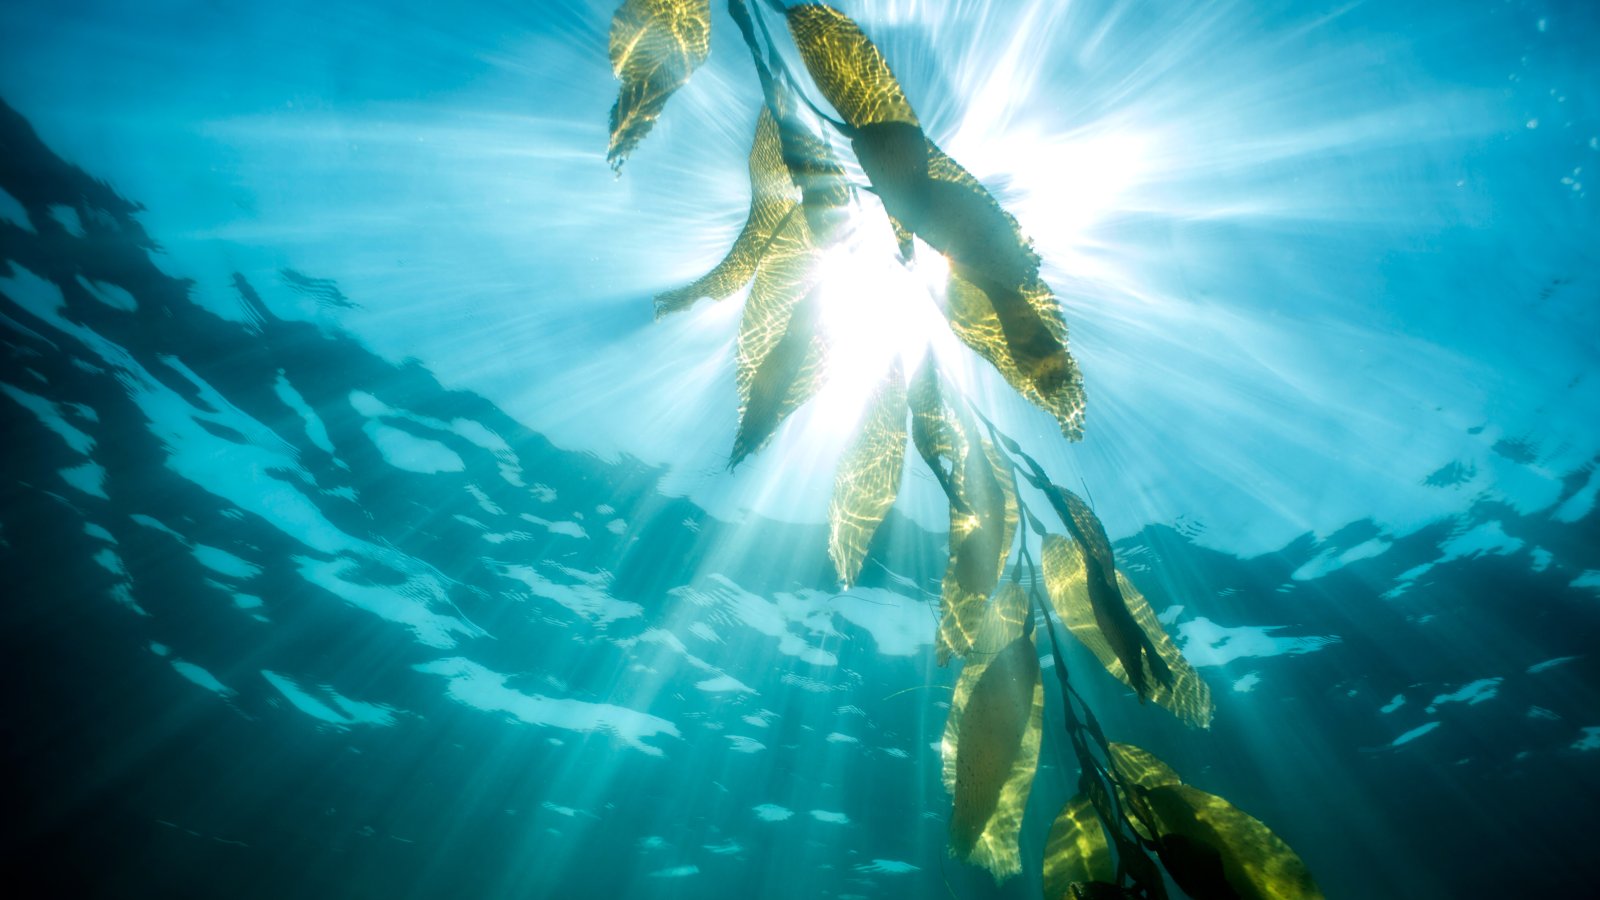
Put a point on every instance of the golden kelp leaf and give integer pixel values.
(655, 46)
(781, 352)
(1135, 766)
(771, 202)
(980, 540)
(991, 751)
(825, 189)
(847, 68)
(1214, 850)
(1019, 328)
(996, 302)
(1111, 613)
(869, 478)
(1076, 852)
(935, 431)
(1066, 580)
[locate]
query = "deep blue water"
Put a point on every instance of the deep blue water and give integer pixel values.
(363, 536)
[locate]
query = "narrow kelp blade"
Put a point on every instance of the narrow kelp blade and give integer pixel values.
(991, 745)
(655, 46)
(868, 478)
(772, 201)
(983, 509)
(997, 303)
(1186, 695)
(1076, 851)
(1132, 646)
(781, 350)
(1212, 849)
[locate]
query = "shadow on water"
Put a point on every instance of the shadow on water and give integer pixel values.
(229, 544)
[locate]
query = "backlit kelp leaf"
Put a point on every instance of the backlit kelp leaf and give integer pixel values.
(779, 362)
(935, 431)
(983, 509)
(869, 478)
(847, 68)
(1214, 851)
(1139, 767)
(1066, 580)
(980, 540)
(825, 190)
(1135, 650)
(996, 302)
(1014, 321)
(772, 201)
(1076, 852)
(655, 46)
(991, 752)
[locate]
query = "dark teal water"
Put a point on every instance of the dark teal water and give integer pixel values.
(363, 537)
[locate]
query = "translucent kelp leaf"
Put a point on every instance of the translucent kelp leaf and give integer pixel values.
(772, 201)
(1066, 580)
(655, 46)
(1076, 852)
(869, 478)
(996, 302)
(991, 752)
(935, 431)
(983, 509)
(847, 68)
(1135, 650)
(1214, 851)
(1137, 766)
(781, 352)
(982, 526)
(825, 190)
(1017, 324)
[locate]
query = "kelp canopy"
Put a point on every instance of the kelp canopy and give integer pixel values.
(1008, 572)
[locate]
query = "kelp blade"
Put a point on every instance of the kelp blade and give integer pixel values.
(1014, 321)
(849, 70)
(781, 351)
(655, 46)
(980, 540)
(1076, 851)
(983, 509)
(996, 302)
(772, 201)
(1187, 696)
(991, 753)
(868, 478)
(1214, 850)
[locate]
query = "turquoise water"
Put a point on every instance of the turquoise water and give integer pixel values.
(364, 535)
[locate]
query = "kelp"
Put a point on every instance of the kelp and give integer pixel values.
(1017, 324)
(781, 347)
(1185, 694)
(655, 46)
(1130, 810)
(991, 745)
(1076, 853)
(983, 510)
(772, 202)
(847, 67)
(1212, 849)
(869, 478)
(1116, 623)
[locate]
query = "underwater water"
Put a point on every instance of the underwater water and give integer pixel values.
(364, 534)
